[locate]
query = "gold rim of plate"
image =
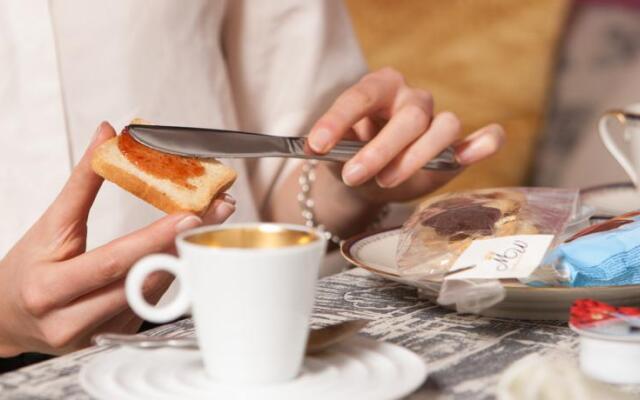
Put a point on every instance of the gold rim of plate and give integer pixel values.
(347, 246)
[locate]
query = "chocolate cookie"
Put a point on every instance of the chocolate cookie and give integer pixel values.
(450, 222)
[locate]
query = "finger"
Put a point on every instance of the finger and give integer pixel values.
(406, 126)
(82, 333)
(366, 129)
(408, 95)
(365, 98)
(67, 327)
(480, 144)
(104, 304)
(444, 130)
(93, 270)
(220, 209)
(78, 194)
(131, 327)
(124, 322)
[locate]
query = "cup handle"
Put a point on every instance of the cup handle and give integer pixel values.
(177, 307)
(610, 144)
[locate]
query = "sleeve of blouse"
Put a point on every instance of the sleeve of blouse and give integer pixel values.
(287, 60)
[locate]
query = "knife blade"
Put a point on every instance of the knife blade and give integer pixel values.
(220, 143)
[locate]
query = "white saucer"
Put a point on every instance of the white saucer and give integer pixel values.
(612, 199)
(376, 252)
(360, 368)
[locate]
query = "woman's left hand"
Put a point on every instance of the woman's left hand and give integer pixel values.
(402, 133)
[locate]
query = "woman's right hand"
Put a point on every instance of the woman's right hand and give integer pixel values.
(56, 296)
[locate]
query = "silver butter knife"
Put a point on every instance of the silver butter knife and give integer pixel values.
(219, 143)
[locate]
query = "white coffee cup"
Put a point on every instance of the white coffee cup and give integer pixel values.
(251, 291)
(629, 118)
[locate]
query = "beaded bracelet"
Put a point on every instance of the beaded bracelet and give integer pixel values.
(307, 204)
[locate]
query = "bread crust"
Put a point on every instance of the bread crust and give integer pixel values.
(149, 193)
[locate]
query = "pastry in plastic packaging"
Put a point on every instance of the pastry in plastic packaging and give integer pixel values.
(444, 226)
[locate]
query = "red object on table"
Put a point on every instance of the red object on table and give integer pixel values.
(586, 312)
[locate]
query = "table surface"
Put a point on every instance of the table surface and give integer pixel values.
(465, 354)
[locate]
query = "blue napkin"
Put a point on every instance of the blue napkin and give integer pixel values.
(609, 258)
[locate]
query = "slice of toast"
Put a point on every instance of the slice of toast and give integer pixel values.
(164, 191)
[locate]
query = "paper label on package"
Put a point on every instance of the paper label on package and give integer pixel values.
(507, 257)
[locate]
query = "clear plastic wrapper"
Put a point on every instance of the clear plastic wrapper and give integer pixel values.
(444, 226)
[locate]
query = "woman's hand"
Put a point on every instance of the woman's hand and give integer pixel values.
(402, 133)
(55, 296)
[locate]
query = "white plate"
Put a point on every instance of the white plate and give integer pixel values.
(360, 368)
(376, 252)
(612, 199)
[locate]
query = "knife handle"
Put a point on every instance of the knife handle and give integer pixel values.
(346, 149)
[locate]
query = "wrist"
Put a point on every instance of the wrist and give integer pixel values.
(326, 202)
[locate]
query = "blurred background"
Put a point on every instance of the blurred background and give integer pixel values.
(544, 69)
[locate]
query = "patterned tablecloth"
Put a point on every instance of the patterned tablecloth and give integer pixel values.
(465, 354)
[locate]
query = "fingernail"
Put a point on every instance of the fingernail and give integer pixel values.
(386, 181)
(227, 198)
(188, 222)
(320, 140)
(96, 134)
(353, 174)
(476, 150)
(222, 212)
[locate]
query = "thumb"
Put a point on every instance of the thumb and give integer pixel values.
(78, 194)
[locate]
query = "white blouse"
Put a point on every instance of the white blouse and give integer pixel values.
(65, 65)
